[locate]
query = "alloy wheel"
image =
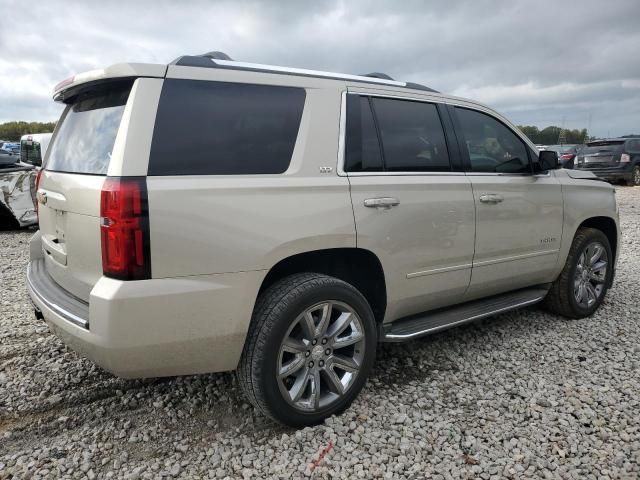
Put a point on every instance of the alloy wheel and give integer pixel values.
(320, 356)
(591, 275)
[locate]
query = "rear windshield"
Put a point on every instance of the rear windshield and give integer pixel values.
(593, 147)
(88, 131)
(216, 128)
(30, 152)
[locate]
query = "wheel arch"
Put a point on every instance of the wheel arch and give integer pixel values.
(606, 225)
(359, 267)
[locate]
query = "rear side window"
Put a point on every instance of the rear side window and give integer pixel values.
(88, 130)
(412, 136)
(492, 146)
(362, 146)
(218, 128)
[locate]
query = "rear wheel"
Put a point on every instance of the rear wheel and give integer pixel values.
(585, 278)
(310, 348)
(634, 181)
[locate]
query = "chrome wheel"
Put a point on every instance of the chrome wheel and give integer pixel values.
(591, 275)
(636, 176)
(320, 356)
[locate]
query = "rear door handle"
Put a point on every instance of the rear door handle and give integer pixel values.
(381, 202)
(491, 198)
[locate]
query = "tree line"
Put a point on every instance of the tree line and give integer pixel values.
(12, 131)
(551, 135)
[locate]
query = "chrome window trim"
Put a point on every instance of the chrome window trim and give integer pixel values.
(506, 174)
(402, 174)
(409, 97)
(342, 134)
(342, 140)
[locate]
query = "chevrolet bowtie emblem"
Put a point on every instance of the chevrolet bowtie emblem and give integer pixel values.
(42, 198)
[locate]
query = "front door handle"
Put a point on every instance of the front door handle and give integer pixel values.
(491, 198)
(381, 202)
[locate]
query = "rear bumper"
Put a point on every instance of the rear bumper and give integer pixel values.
(152, 328)
(615, 173)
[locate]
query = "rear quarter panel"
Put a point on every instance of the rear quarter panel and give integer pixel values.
(209, 224)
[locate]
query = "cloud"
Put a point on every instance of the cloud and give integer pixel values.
(537, 62)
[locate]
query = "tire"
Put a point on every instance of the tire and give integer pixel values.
(565, 296)
(281, 313)
(634, 181)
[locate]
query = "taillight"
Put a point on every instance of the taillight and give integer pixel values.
(38, 175)
(124, 228)
(625, 158)
(567, 156)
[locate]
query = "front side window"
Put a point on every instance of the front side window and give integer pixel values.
(412, 136)
(491, 145)
(218, 128)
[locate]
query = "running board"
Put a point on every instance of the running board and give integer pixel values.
(430, 322)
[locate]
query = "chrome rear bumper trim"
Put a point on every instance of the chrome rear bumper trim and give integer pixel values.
(52, 305)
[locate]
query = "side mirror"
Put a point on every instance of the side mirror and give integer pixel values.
(548, 160)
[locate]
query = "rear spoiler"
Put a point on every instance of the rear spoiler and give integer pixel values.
(64, 89)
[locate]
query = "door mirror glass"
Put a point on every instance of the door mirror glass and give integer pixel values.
(547, 160)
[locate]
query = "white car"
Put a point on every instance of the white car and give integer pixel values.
(212, 215)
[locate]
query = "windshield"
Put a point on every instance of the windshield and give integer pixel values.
(88, 131)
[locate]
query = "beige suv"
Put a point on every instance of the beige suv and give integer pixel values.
(212, 215)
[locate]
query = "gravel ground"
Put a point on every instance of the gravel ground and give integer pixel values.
(525, 394)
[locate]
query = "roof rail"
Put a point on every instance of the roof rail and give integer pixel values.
(216, 56)
(419, 86)
(378, 75)
(222, 60)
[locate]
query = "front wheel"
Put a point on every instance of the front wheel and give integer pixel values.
(585, 278)
(310, 348)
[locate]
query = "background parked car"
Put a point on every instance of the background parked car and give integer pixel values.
(8, 158)
(33, 148)
(616, 159)
(14, 148)
(566, 153)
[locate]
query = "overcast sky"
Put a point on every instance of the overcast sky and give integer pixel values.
(539, 62)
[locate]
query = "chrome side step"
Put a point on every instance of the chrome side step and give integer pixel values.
(419, 325)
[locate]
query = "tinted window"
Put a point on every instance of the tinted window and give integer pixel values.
(362, 146)
(30, 153)
(604, 146)
(88, 131)
(412, 136)
(633, 146)
(215, 128)
(492, 146)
